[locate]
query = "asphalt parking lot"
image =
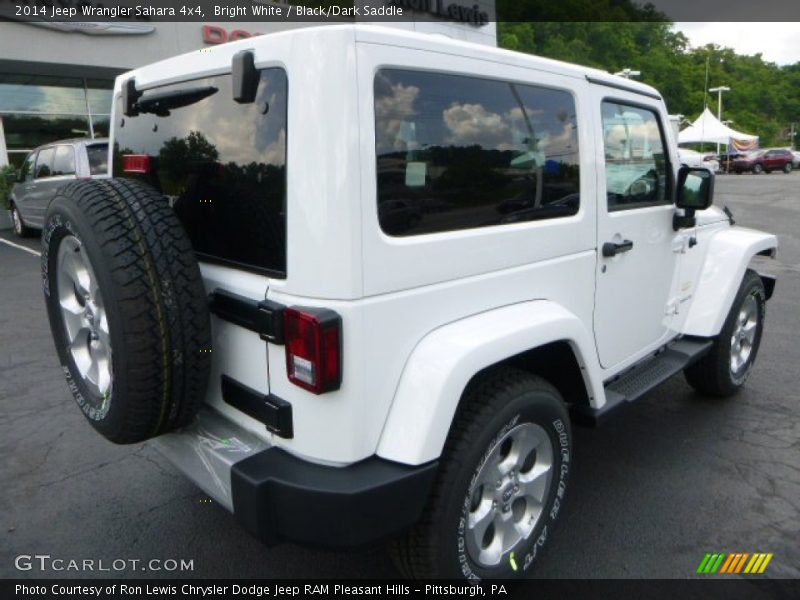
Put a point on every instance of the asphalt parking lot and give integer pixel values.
(665, 481)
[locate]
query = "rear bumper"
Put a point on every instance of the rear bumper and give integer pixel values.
(278, 497)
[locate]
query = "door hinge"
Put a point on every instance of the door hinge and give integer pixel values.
(673, 307)
(679, 244)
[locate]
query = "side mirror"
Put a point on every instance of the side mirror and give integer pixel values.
(695, 192)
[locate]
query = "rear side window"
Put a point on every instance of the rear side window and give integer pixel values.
(44, 163)
(222, 165)
(64, 161)
(98, 159)
(456, 152)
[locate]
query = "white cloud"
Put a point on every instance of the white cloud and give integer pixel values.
(392, 109)
(776, 42)
(473, 124)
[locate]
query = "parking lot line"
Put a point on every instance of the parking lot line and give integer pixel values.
(18, 247)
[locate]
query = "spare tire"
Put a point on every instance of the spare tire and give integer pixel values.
(127, 308)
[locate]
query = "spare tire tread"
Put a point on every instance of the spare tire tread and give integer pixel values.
(158, 292)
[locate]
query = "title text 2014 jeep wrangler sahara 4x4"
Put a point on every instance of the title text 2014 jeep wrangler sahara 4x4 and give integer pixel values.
(354, 280)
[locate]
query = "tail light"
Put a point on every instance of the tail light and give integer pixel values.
(313, 339)
(136, 163)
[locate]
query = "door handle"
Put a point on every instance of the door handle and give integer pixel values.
(612, 249)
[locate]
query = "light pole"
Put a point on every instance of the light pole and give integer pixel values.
(719, 91)
(628, 73)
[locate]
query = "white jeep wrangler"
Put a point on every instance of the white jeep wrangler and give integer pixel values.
(357, 282)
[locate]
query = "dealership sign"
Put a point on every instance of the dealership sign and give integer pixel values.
(95, 28)
(473, 15)
(213, 34)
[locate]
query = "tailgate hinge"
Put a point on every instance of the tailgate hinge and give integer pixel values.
(264, 317)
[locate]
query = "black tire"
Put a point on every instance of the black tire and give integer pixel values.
(714, 374)
(498, 403)
(787, 168)
(20, 229)
(758, 169)
(153, 299)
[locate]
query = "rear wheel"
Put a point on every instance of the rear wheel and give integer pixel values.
(787, 168)
(127, 308)
(501, 483)
(725, 369)
(20, 229)
(758, 169)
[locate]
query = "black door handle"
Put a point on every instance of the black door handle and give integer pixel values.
(612, 249)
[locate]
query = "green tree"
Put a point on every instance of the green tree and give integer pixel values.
(764, 97)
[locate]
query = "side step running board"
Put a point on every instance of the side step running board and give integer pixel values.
(643, 377)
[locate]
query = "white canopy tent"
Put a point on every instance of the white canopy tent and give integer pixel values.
(707, 128)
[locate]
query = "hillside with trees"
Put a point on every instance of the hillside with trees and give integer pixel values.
(764, 97)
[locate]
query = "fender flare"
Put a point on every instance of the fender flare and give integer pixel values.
(444, 361)
(726, 260)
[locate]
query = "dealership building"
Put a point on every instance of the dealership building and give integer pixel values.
(56, 79)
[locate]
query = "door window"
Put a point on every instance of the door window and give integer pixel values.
(43, 163)
(636, 160)
(64, 161)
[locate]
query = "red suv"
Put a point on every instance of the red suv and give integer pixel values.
(765, 161)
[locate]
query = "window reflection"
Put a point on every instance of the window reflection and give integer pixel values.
(42, 94)
(456, 152)
(30, 131)
(64, 161)
(636, 168)
(222, 165)
(99, 94)
(102, 125)
(38, 109)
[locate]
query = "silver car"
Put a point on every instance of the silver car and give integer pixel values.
(45, 170)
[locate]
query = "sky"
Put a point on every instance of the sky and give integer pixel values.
(777, 42)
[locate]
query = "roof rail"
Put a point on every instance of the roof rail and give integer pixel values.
(622, 86)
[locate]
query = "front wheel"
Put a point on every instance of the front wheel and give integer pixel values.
(724, 370)
(787, 168)
(20, 229)
(501, 483)
(758, 169)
